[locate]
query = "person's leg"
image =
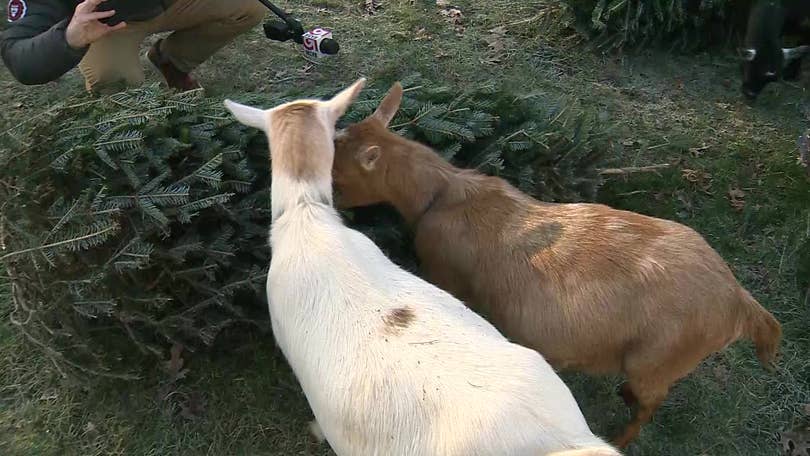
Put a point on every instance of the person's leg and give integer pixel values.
(202, 27)
(114, 61)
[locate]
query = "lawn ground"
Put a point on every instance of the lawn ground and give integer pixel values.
(733, 176)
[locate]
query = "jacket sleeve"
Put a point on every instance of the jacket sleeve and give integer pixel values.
(34, 47)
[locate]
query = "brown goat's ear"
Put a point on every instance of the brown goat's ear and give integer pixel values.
(368, 158)
(390, 105)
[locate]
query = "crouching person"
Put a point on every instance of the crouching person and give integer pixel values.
(47, 38)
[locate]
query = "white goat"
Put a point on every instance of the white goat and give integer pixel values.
(390, 364)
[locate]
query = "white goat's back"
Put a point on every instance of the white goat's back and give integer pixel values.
(392, 365)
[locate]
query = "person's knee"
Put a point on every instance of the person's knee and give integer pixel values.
(247, 14)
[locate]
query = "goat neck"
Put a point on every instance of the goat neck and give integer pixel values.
(302, 166)
(417, 180)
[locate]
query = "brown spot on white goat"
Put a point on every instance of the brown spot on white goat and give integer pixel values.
(398, 319)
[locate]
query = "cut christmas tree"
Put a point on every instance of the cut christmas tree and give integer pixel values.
(139, 220)
(678, 24)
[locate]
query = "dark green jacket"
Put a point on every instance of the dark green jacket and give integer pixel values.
(33, 45)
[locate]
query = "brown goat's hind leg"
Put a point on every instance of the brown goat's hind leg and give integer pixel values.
(650, 372)
(648, 402)
(627, 395)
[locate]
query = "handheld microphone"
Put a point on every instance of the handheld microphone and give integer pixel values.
(317, 42)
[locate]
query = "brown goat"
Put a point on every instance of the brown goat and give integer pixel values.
(592, 288)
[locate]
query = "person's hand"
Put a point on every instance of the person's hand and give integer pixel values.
(85, 28)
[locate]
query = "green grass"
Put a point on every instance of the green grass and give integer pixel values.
(681, 110)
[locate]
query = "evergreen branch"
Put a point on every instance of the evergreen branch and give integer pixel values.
(238, 186)
(174, 195)
(62, 221)
(98, 199)
(126, 140)
(450, 152)
(442, 127)
(208, 172)
(182, 250)
(419, 116)
(71, 243)
(105, 157)
(150, 209)
(57, 357)
(633, 170)
(62, 160)
(204, 203)
(129, 172)
(152, 184)
(93, 308)
(133, 119)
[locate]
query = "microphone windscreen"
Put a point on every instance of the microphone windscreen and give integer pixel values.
(329, 46)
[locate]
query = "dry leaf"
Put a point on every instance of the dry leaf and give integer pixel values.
(422, 35)
(442, 3)
(796, 443)
(454, 17)
(698, 151)
(496, 45)
(737, 198)
(701, 179)
(804, 152)
(174, 366)
(371, 6)
(89, 427)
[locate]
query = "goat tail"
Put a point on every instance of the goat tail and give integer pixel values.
(588, 451)
(763, 329)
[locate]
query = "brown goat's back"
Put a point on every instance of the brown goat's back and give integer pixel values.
(582, 283)
(592, 288)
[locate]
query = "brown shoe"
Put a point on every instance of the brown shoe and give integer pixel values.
(175, 78)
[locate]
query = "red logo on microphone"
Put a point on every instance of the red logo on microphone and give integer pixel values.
(312, 40)
(311, 44)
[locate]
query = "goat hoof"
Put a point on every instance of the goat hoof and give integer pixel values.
(620, 444)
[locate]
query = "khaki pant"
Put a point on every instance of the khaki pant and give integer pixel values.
(200, 28)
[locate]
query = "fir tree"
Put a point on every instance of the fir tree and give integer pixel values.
(141, 219)
(680, 24)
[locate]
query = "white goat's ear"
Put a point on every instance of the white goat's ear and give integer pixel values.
(368, 158)
(390, 105)
(338, 105)
(252, 117)
(748, 55)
